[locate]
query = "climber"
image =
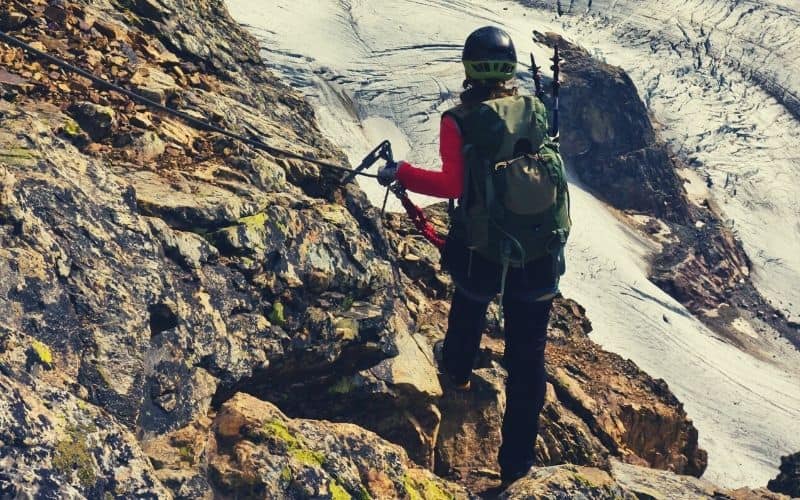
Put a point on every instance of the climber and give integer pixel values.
(507, 233)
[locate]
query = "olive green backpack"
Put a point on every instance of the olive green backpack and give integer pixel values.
(515, 203)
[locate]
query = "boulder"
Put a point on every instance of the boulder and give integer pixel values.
(253, 450)
(610, 143)
(788, 481)
(648, 483)
(55, 445)
(624, 481)
(154, 84)
(469, 435)
(97, 121)
(567, 481)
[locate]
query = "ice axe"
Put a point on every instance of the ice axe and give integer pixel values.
(383, 151)
(417, 216)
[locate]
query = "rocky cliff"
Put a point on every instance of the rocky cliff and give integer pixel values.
(185, 316)
(615, 150)
(788, 480)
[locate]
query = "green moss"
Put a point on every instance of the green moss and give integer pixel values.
(277, 316)
(338, 492)
(187, 454)
(71, 128)
(43, 353)
(343, 386)
(424, 490)
(19, 157)
(72, 454)
(347, 303)
(308, 457)
(410, 488)
(584, 481)
(256, 221)
(363, 494)
(279, 431)
(286, 474)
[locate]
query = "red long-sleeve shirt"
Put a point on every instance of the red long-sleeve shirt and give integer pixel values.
(449, 181)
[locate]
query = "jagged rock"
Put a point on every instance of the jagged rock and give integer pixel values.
(189, 249)
(788, 481)
(192, 204)
(635, 417)
(652, 484)
(97, 121)
(12, 20)
(178, 457)
(254, 451)
(624, 481)
(154, 84)
(55, 445)
(565, 438)
(394, 397)
(147, 147)
(610, 143)
(469, 436)
(567, 481)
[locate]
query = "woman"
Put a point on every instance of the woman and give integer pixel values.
(493, 125)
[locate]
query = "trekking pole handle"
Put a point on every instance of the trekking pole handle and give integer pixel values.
(382, 151)
(537, 78)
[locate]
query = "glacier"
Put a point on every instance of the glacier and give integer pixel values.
(721, 82)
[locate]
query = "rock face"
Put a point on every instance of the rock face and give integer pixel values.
(162, 286)
(610, 143)
(788, 481)
(152, 270)
(625, 481)
(251, 449)
(569, 481)
(613, 148)
(54, 445)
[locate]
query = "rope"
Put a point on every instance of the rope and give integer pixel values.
(194, 122)
(421, 222)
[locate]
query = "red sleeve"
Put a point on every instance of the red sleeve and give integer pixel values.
(447, 183)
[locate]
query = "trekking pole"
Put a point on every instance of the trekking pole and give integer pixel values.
(556, 67)
(537, 78)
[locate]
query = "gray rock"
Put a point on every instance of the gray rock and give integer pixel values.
(97, 121)
(788, 481)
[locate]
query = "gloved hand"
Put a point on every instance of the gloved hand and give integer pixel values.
(387, 174)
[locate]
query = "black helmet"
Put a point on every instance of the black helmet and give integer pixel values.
(489, 54)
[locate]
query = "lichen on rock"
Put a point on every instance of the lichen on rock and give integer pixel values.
(72, 455)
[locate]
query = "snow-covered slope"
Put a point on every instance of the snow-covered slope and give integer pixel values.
(723, 78)
(387, 68)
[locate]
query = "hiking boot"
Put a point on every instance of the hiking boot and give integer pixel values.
(447, 380)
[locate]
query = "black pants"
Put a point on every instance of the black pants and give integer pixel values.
(477, 282)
